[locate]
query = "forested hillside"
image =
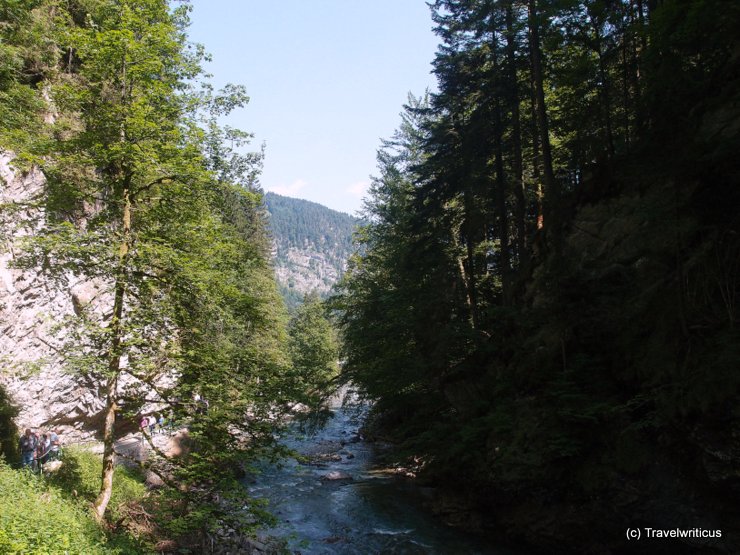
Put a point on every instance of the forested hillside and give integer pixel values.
(546, 308)
(312, 244)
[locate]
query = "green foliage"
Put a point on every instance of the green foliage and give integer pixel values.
(157, 207)
(52, 514)
(78, 480)
(558, 359)
(9, 432)
(313, 350)
(300, 223)
(37, 518)
(21, 40)
(399, 304)
(291, 296)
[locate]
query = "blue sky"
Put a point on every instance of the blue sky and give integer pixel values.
(327, 80)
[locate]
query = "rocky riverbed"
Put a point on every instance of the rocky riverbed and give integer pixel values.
(335, 499)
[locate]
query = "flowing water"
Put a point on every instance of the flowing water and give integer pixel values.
(361, 510)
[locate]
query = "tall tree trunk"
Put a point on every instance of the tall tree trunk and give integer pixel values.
(516, 138)
(552, 190)
(469, 300)
(470, 267)
(626, 103)
(605, 94)
(540, 217)
(636, 72)
(500, 193)
(106, 482)
(641, 19)
(503, 216)
(114, 361)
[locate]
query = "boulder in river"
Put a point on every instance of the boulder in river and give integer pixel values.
(336, 475)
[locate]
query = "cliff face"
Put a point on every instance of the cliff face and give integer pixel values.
(307, 269)
(30, 305)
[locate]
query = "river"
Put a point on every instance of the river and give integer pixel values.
(363, 510)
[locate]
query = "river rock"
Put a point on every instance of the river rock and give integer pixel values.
(336, 475)
(334, 539)
(153, 480)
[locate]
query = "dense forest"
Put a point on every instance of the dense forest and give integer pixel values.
(546, 307)
(296, 221)
(312, 244)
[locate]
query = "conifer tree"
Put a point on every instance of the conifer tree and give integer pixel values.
(623, 140)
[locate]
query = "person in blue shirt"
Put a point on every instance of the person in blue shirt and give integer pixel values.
(27, 444)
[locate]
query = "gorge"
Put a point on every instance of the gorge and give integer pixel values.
(538, 311)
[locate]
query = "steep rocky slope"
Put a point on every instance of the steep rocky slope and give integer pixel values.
(30, 305)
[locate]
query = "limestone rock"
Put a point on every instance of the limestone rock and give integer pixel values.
(32, 370)
(30, 307)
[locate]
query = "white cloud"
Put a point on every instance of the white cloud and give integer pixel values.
(287, 190)
(358, 189)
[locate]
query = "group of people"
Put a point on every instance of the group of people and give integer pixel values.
(152, 423)
(37, 450)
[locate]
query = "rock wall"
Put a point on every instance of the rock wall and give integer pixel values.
(31, 368)
(307, 270)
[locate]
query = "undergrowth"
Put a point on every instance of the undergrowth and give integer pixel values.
(52, 514)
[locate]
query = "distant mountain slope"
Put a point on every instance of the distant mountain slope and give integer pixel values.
(311, 245)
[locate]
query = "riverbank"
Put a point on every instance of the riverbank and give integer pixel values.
(51, 513)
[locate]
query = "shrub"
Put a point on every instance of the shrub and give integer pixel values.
(52, 515)
(79, 477)
(8, 430)
(35, 518)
